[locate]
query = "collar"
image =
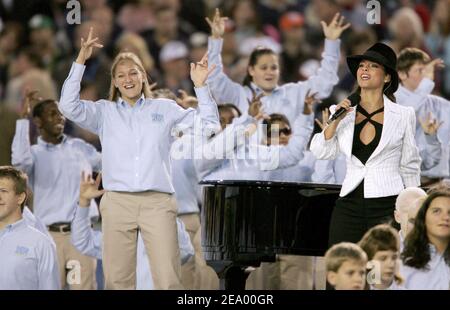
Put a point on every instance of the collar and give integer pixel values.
(124, 104)
(258, 90)
(40, 141)
(14, 226)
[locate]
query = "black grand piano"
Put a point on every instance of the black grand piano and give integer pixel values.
(245, 223)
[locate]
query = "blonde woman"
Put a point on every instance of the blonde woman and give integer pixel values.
(135, 132)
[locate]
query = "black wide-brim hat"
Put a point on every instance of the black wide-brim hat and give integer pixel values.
(381, 54)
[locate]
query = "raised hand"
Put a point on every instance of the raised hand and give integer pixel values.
(310, 100)
(200, 71)
(334, 30)
(89, 189)
(325, 116)
(87, 47)
(29, 98)
(428, 71)
(429, 124)
(217, 25)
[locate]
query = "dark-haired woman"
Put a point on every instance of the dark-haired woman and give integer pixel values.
(263, 74)
(426, 257)
(377, 139)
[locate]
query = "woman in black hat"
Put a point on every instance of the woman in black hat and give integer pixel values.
(377, 138)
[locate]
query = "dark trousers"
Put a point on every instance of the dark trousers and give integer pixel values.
(354, 215)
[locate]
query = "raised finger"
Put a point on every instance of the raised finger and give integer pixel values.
(258, 98)
(91, 29)
(335, 18)
(98, 180)
(209, 21)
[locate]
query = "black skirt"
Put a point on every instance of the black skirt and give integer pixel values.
(354, 215)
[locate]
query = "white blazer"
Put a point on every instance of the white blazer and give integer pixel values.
(394, 164)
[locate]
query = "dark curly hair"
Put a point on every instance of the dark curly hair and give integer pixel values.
(416, 253)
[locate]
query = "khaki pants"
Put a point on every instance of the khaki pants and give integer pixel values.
(301, 272)
(195, 273)
(265, 277)
(154, 214)
(76, 270)
(289, 272)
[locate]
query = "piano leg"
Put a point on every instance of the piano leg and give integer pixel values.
(231, 276)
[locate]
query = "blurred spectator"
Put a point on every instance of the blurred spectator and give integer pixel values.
(27, 72)
(11, 38)
(7, 128)
(438, 39)
(406, 30)
(22, 10)
(42, 39)
(355, 12)
(270, 11)
(166, 29)
(295, 48)
(198, 45)
(175, 67)
(136, 17)
(245, 19)
(97, 67)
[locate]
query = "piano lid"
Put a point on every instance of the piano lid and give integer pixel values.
(304, 185)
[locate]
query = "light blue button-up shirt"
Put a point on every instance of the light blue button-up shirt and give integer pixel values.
(254, 161)
(300, 172)
(27, 259)
(423, 102)
(330, 171)
(89, 242)
(54, 172)
(185, 181)
(135, 139)
(287, 99)
(435, 277)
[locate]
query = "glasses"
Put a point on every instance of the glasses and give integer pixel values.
(277, 132)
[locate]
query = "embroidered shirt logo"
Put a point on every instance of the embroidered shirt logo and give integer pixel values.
(21, 250)
(156, 117)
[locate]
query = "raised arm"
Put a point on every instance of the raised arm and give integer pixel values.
(21, 155)
(279, 156)
(431, 150)
(85, 113)
(326, 78)
(324, 145)
(83, 237)
(222, 87)
(207, 111)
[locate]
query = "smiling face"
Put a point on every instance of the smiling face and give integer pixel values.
(128, 79)
(266, 72)
(10, 202)
(437, 219)
(371, 75)
(51, 122)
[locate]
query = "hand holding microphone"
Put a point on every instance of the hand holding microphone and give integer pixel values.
(344, 107)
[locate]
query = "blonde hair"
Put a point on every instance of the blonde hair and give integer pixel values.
(113, 91)
(344, 252)
(131, 42)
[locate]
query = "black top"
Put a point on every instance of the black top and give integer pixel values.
(359, 149)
